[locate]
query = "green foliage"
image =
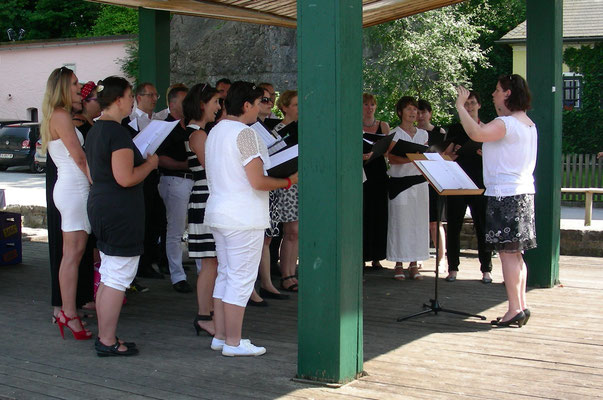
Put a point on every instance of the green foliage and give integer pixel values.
(115, 20)
(129, 64)
(497, 17)
(425, 56)
(582, 129)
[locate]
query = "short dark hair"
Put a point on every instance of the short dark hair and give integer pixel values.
(173, 93)
(239, 93)
(475, 95)
(224, 80)
(424, 105)
(111, 89)
(520, 98)
(141, 87)
(193, 103)
(403, 102)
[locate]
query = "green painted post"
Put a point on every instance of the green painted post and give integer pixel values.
(154, 50)
(544, 59)
(329, 41)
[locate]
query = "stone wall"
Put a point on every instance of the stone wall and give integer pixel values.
(205, 50)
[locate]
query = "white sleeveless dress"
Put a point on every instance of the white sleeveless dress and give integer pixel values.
(71, 189)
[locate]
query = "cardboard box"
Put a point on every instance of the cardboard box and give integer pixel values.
(10, 226)
(10, 252)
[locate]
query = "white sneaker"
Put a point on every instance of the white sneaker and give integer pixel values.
(217, 344)
(244, 349)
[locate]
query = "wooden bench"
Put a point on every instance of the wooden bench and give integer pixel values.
(588, 208)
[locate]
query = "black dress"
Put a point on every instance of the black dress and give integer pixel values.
(374, 215)
(436, 138)
(116, 213)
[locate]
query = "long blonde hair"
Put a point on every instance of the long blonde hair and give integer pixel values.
(58, 94)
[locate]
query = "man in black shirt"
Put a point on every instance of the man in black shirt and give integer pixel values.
(469, 158)
(175, 185)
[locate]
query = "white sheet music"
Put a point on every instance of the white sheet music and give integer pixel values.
(446, 175)
(433, 156)
(151, 137)
(134, 124)
(283, 156)
(273, 144)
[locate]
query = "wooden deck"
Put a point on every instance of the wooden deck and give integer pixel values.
(558, 355)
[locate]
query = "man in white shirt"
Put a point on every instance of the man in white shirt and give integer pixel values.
(146, 100)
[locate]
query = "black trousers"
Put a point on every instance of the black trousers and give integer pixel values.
(455, 213)
(154, 224)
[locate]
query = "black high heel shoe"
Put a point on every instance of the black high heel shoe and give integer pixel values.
(198, 328)
(519, 319)
(528, 314)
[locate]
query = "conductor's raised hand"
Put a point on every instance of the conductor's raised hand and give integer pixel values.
(293, 178)
(463, 95)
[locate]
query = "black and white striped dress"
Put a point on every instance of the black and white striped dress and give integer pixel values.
(200, 240)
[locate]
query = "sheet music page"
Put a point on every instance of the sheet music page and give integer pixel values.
(151, 137)
(283, 156)
(446, 175)
(433, 156)
(273, 144)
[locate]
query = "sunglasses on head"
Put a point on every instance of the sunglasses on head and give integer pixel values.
(266, 100)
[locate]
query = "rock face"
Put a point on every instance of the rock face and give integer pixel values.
(205, 50)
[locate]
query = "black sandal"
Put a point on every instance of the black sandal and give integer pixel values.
(292, 288)
(202, 318)
(113, 350)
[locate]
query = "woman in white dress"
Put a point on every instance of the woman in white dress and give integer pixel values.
(408, 223)
(64, 143)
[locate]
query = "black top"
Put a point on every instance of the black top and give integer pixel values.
(116, 213)
(173, 146)
(436, 137)
(85, 128)
(471, 163)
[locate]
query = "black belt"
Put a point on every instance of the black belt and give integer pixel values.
(186, 175)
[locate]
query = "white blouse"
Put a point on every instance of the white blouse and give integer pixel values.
(233, 203)
(401, 170)
(509, 162)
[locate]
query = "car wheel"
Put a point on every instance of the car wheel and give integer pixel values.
(36, 168)
(3, 167)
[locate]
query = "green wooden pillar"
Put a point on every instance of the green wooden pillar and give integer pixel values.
(154, 50)
(329, 41)
(544, 59)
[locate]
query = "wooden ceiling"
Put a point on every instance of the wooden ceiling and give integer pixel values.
(280, 12)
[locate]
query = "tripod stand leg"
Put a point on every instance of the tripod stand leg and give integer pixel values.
(415, 315)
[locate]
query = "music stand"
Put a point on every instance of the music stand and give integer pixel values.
(434, 304)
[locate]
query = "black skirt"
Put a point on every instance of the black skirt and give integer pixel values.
(510, 223)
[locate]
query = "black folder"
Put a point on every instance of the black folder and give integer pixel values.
(287, 165)
(289, 133)
(402, 147)
(380, 147)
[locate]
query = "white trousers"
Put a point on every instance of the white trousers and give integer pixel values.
(239, 254)
(118, 272)
(175, 192)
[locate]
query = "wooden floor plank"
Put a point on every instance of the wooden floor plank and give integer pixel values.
(558, 355)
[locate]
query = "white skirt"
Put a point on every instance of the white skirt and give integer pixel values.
(408, 225)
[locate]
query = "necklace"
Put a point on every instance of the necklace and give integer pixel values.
(371, 124)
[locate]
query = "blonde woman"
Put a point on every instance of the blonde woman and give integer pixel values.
(64, 144)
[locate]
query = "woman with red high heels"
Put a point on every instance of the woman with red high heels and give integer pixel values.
(70, 193)
(117, 169)
(509, 158)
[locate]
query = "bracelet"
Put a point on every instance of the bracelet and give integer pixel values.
(289, 183)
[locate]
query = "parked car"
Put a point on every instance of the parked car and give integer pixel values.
(18, 144)
(40, 156)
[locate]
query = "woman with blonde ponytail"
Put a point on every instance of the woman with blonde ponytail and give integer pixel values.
(70, 194)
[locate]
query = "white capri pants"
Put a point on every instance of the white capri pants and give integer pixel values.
(118, 272)
(239, 254)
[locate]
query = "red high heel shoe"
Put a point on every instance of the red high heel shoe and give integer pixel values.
(84, 334)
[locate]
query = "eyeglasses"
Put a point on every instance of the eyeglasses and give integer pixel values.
(153, 95)
(266, 100)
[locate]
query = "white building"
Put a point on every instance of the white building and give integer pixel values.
(25, 67)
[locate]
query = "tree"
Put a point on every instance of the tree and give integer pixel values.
(582, 130)
(425, 56)
(115, 20)
(62, 19)
(497, 17)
